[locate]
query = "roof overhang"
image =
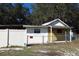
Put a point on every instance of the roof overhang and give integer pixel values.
(48, 24)
(11, 26)
(30, 26)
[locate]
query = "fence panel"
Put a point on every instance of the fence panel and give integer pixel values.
(3, 37)
(17, 37)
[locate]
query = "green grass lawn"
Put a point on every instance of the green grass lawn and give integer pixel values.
(54, 49)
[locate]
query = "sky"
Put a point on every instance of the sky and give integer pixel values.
(28, 5)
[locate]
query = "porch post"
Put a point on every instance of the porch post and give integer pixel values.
(51, 34)
(65, 36)
(70, 35)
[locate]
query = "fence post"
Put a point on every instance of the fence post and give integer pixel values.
(7, 37)
(27, 41)
(43, 40)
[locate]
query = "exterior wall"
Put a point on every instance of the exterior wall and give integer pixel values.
(3, 37)
(17, 37)
(54, 37)
(38, 38)
(51, 35)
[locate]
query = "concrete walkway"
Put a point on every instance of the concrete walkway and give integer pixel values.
(11, 49)
(60, 41)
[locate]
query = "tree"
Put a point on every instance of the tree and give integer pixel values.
(46, 12)
(42, 12)
(13, 14)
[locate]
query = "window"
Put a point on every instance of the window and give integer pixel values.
(36, 30)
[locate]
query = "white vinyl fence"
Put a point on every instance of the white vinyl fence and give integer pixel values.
(17, 37)
(12, 37)
(3, 37)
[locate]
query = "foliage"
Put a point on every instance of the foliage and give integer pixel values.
(13, 14)
(45, 12)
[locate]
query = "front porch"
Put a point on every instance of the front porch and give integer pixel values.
(59, 34)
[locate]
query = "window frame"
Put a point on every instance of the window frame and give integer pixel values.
(37, 31)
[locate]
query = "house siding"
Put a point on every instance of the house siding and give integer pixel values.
(37, 38)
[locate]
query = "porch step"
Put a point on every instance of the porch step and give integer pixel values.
(60, 41)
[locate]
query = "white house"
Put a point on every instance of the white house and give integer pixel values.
(21, 35)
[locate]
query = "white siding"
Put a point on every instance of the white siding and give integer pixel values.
(17, 37)
(38, 38)
(3, 37)
(59, 24)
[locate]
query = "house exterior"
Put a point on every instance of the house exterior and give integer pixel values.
(37, 34)
(22, 35)
(58, 31)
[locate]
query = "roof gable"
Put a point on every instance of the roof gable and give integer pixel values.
(56, 23)
(59, 24)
